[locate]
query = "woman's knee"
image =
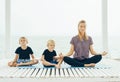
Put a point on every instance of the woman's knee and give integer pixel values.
(66, 58)
(98, 57)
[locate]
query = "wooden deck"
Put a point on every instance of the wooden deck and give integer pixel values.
(105, 71)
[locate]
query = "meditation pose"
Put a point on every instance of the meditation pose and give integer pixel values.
(49, 57)
(23, 55)
(81, 45)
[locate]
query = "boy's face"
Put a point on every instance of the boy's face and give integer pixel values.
(23, 42)
(51, 46)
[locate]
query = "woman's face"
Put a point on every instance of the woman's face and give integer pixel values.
(82, 27)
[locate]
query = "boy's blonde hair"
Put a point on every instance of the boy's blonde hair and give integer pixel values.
(50, 42)
(23, 38)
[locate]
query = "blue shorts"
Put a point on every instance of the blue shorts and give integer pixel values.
(23, 60)
(54, 62)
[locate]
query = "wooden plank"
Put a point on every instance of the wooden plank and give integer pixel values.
(106, 71)
(66, 72)
(48, 72)
(103, 75)
(25, 73)
(114, 73)
(53, 72)
(6, 71)
(61, 72)
(21, 71)
(35, 72)
(39, 73)
(83, 72)
(44, 72)
(100, 74)
(12, 72)
(74, 72)
(30, 72)
(79, 72)
(70, 72)
(15, 73)
(88, 72)
(57, 72)
(94, 72)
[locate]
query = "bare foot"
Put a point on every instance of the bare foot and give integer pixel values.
(90, 65)
(57, 66)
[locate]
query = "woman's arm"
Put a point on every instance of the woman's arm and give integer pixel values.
(93, 52)
(70, 51)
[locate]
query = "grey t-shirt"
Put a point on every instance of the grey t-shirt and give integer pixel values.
(81, 48)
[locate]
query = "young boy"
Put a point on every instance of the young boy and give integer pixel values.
(23, 54)
(49, 57)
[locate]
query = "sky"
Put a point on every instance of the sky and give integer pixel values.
(58, 17)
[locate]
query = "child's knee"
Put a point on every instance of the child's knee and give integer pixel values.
(12, 64)
(43, 62)
(35, 61)
(9, 64)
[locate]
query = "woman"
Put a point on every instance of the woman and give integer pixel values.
(81, 44)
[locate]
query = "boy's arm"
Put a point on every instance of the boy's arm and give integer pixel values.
(42, 58)
(58, 56)
(44, 62)
(16, 58)
(32, 56)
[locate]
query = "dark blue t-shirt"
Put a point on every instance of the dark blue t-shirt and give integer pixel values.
(49, 55)
(24, 54)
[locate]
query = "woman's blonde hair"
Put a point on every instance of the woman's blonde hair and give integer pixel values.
(85, 37)
(50, 42)
(23, 38)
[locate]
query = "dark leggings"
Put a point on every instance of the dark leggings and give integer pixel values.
(80, 63)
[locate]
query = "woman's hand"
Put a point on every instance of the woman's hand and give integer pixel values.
(104, 53)
(61, 55)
